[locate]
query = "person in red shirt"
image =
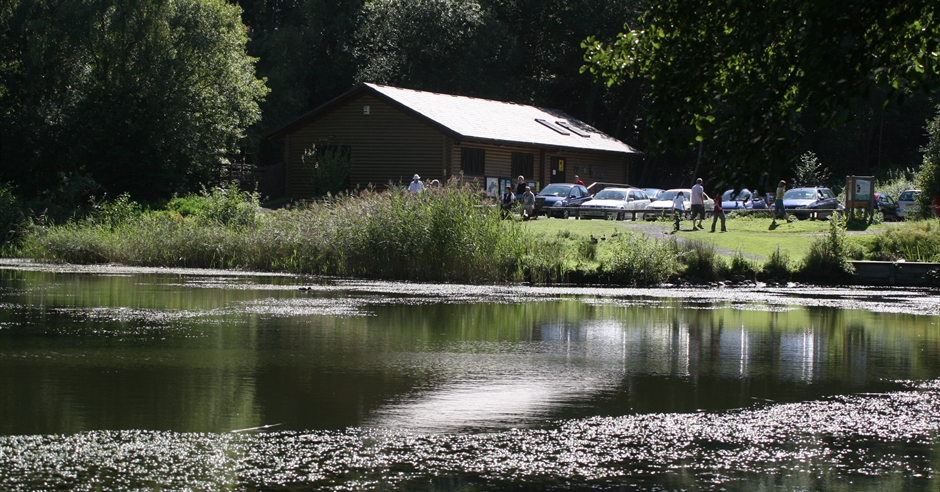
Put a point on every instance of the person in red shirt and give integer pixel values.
(577, 180)
(719, 213)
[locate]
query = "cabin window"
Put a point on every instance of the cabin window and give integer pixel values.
(523, 164)
(472, 161)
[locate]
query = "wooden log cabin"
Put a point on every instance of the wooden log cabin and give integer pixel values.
(391, 133)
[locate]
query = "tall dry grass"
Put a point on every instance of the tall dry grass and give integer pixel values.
(446, 234)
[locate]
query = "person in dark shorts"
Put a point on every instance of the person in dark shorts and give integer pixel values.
(697, 204)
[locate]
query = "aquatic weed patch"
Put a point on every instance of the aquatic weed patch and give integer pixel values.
(886, 441)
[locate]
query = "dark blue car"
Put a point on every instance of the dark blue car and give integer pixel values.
(811, 202)
(560, 194)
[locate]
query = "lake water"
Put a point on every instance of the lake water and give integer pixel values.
(115, 378)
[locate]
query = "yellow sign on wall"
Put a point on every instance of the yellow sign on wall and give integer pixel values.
(561, 164)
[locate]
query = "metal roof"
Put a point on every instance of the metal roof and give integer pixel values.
(469, 119)
(497, 121)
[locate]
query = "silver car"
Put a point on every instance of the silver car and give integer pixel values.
(663, 205)
(906, 202)
(618, 203)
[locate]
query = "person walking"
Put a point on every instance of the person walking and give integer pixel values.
(779, 209)
(719, 213)
(677, 209)
(698, 204)
(416, 185)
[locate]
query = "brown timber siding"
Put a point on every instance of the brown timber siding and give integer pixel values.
(591, 167)
(498, 162)
(390, 145)
(387, 145)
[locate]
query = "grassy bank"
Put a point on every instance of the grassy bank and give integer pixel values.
(453, 234)
(442, 235)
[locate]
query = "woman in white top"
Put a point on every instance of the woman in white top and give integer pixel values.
(416, 184)
(677, 207)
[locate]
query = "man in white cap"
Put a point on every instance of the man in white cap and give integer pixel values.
(416, 184)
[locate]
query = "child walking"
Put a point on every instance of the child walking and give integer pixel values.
(677, 208)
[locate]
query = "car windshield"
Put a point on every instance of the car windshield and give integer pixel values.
(556, 190)
(611, 195)
(743, 195)
(908, 196)
(669, 195)
(800, 194)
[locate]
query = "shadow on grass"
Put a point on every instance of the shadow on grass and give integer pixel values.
(857, 224)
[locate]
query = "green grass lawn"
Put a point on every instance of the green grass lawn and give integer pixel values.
(755, 237)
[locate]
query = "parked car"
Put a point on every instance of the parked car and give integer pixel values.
(663, 204)
(741, 200)
(906, 201)
(615, 202)
(814, 201)
(561, 194)
(653, 193)
(887, 206)
(595, 188)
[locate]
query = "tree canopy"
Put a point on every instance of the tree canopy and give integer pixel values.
(735, 75)
(140, 96)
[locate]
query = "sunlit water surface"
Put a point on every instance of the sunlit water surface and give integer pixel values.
(115, 378)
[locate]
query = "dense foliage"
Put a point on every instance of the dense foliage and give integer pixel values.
(734, 76)
(156, 97)
(149, 97)
(929, 177)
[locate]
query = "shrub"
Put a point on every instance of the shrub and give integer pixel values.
(701, 261)
(641, 263)
(759, 214)
(742, 266)
(928, 178)
(12, 219)
(897, 181)
(810, 172)
(826, 261)
(223, 205)
(115, 212)
(587, 249)
(777, 265)
(914, 241)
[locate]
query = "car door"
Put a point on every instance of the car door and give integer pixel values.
(829, 199)
(581, 193)
(637, 200)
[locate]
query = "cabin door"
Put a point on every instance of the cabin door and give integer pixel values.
(558, 170)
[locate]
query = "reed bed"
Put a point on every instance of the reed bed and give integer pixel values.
(915, 241)
(447, 234)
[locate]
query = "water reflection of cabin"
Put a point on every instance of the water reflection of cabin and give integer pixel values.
(393, 133)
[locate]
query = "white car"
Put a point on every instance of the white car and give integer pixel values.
(906, 202)
(663, 206)
(618, 203)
